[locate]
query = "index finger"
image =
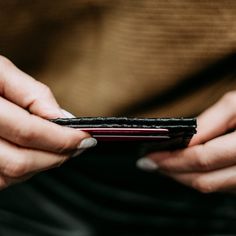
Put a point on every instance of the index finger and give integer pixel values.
(26, 92)
(27, 130)
(215, 154)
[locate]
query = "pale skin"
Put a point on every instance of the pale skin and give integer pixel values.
(209, 163)
(29, 143)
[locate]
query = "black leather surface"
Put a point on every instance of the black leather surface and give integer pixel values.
(179, 132)
(113, 122)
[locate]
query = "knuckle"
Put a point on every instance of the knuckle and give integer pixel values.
(228, 101)
(203, 186)
(41, 90)
(201, 161)
(70, 140)
(65, 146)
(4, 62)
(17, 167)
(44, 89)
(24, 136)
(229, 98)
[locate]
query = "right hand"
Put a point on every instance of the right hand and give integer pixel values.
(28, 142)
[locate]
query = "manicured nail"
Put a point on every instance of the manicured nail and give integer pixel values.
(146, 164)
(87, 143)
(67, 114)
(84, 145)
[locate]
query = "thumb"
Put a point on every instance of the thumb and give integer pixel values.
(216, 120)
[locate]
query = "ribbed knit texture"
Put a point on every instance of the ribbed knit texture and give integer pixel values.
(111, 57)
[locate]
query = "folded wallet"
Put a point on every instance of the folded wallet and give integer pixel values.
(141, 135)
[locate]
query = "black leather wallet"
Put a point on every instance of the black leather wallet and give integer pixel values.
(141, 135)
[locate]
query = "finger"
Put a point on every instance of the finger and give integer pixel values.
(16, 162)
(26, 92)
(24, 129)
(216, 181)
(216, 120)
(215, 154)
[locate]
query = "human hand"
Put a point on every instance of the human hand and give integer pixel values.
(28, 142)
(208, 164)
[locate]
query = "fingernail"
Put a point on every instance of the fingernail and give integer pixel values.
(87, 143)
(146, 164)
(67, 114)
(84, 145)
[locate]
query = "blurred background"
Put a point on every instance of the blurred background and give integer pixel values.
(139, 58)
(152, 58)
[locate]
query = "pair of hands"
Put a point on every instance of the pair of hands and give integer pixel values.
(30, 144)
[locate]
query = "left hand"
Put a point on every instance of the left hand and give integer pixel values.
(209, 163)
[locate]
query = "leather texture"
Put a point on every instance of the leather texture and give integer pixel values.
(141, 135)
